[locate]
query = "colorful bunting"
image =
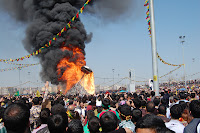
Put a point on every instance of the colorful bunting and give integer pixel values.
(148, 16)
(18, 68)
(166, 62)
(171, 72)
(50, 42)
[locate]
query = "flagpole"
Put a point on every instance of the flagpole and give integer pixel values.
(154, 49)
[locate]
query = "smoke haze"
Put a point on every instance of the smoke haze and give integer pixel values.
(45, 18)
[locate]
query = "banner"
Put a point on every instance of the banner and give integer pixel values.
(53, 39)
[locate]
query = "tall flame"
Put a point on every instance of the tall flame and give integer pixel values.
(73, 73)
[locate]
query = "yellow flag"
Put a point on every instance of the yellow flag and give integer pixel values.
(37, 93)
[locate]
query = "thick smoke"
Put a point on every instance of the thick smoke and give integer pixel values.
(45, 18)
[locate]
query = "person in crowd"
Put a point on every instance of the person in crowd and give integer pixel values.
(182, 96)
(44, 115)
(195, 112)
(35, 113)
(156, 101)
(185, 117)
(109, 118)
(94, 125)
(58, 123)
(75, 126)
(192, 95)
(2, 127)
(57, 108)
(137, 103)
(98, 101)
(171, 101)
(162, 113)
(174, 124)
(166, 96)
(16, 118)
(150, 123)
(152, 96)
(176, 100)
(125, 115)
(150, 108)
(72, 114)
(143, 107)
(89, 115)
(106, 107)
(136, 115)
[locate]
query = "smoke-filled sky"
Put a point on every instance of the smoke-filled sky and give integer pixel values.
(119, 38)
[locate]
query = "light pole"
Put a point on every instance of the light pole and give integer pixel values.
(113, 78)
(29, 78)
(182, 40)
(154, 49)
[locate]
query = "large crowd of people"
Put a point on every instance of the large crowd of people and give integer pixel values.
(101, 113)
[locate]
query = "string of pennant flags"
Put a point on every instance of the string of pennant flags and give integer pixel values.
(18, 64)
(193, 74)
(68, 26)
(148, 16)
(18, 68)
(170, 72)
(166, 62)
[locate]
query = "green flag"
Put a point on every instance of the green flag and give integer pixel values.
(17, 93)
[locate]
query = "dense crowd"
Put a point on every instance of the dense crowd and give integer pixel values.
(107, 112)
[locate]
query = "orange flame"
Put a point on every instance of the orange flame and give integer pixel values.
(73, 73)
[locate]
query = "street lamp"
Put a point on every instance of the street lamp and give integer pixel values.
(113, 78)
(29, 78)
(182, 40)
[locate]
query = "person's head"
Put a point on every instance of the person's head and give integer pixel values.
(108, 118)
(176, 111)
(152, 93)
(57, 108)
(58, 123)
(75, 126)
(162, 109)
(182, 95)
(106, 103)
(164, 101)
(94, 124)
(1, 113)
(171, 99)
(16, 118)
(44, 115)
(176, 99)
(143, 103)
(195, 108)
(90, 114)
(137, 103)
(156, 101)
(136, 115)
(36, 101)
(81, 104)
(149, 123)
(150, 107)
(125, 112)
(192, 95)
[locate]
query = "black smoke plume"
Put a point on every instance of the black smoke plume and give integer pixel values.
(45, 18)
